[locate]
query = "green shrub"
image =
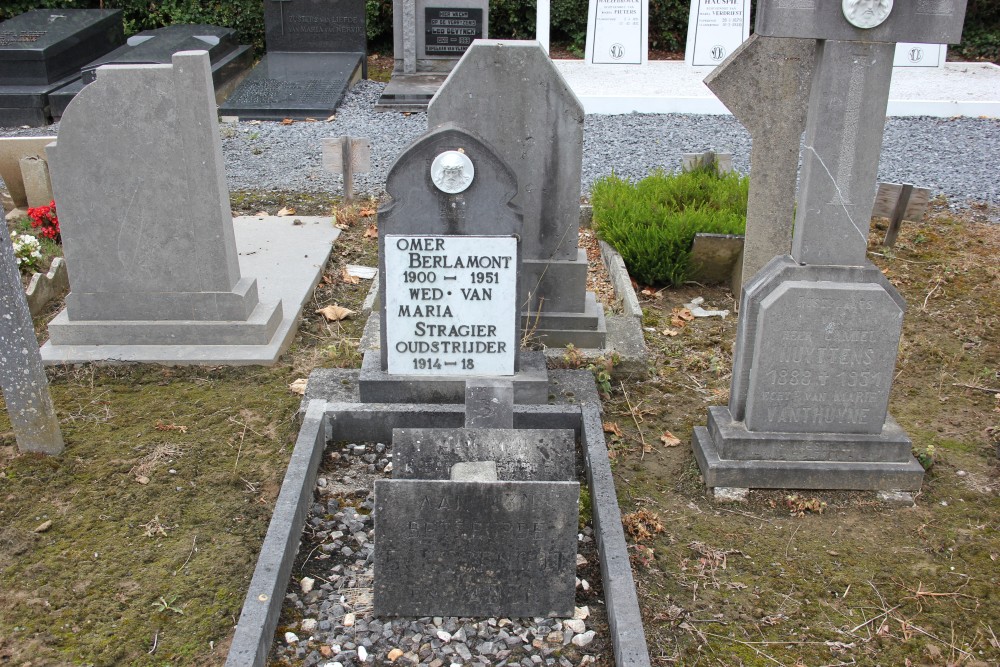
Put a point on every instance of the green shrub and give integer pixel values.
(652, 223)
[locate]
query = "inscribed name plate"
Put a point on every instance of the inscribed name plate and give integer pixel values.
(616, 32)
(824, 358)
(520, 454)
(483, 549)
(449, 31)
(715, 29)
(451, 304)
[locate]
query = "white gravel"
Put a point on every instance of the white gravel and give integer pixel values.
(956, 157)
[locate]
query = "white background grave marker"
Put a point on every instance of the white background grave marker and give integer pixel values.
(909, 54)
(617, 32)
(715, 29)
(450, 304)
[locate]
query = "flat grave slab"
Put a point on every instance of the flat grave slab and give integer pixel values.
(447, 548)
(294, 85)
(287, 259)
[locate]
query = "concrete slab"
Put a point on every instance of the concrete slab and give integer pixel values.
(670, 86)
(285, 254)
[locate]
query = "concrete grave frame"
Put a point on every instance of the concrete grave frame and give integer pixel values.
(345, 417)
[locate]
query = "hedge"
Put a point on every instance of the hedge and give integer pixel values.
(509, 19)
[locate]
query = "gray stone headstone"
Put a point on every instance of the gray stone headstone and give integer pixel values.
(346, 155)
(144, 209)
(510, 93)
(446, 548)
(22, 378)
(12, 151)
(520, 454)
(420, 208)
(786, 67)
(37, 184)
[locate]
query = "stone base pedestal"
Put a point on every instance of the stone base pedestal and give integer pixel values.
(410, 92)
(378, 386)
(586, 329)
(729, 455)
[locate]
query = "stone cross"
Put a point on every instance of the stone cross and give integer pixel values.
(847, 106)
(25, 387)
(346, 155)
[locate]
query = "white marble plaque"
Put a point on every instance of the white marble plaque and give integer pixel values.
(715, 29)
(910, 54)
(618, 32)
(451, 304)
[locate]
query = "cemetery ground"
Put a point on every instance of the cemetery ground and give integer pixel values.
(136, 545)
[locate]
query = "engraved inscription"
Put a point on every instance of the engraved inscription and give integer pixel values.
(935, 7)
(450, 304)
(825, 361)
(10, 38)
(450, 31)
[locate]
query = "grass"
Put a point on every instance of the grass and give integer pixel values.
(154, 573)
(652, 223)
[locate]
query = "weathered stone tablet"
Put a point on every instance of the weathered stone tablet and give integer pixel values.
(447, 548)
(520, 454)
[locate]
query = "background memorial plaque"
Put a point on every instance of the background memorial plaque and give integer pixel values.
(450, 304)
(315, 25)
(716, 28)
(824, 358)
(617, 32)
(449, 31)
(446, 548)
(520, 454)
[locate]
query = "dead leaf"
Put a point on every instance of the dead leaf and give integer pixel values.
(262, 214)
(670, 332)
(327, 279)
(160, 426)
(44, 526)
(332, 118)
(287, 121)
(142, 479)
(612, 427)
(669, 439)
(365, 212)
(310, 120)
(371, 232)
(299, 386)
(683, 313)
(335, 313)
(287, 210)
(346, 276)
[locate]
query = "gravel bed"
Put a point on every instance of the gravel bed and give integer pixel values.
(951, 156)
(327, 617)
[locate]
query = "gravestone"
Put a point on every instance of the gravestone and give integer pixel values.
(617, 32)
(509, 93)
(786, 64)
(152, 257)
(229, 58)
(428, 37)
(42, 50)
(316, 50)
(13, 153)
(22, 378)
(819, 330)
(449, 261)
(898, 202)
(716, 28)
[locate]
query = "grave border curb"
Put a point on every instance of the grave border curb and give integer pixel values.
(322, 422)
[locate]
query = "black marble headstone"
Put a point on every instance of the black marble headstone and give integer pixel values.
(449, 31)
(315, 25)
(228, 57)
(44, 45)
(43, 50)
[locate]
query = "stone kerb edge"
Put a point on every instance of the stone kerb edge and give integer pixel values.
(262, 607)
(373, 421)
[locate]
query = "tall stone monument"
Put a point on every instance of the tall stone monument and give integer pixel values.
(449, 265)
(151, 251)
(819, 330)
(510, 94)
